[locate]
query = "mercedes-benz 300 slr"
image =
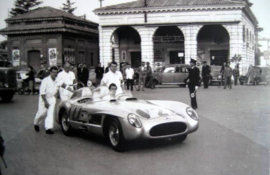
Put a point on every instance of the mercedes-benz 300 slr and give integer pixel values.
(125, 118)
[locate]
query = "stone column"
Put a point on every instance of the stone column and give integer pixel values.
(105, 45)
(147, 45)
(190, 33)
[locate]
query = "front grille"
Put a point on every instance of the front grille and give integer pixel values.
(168, 129)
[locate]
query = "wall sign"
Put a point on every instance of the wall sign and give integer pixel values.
(52, 56)
(16, 57)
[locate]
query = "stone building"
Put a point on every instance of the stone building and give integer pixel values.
(173, 31)
(47, 36)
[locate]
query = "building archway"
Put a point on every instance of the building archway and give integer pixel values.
(34, 59)
(169, 46)
(213, 45)
(126, 46)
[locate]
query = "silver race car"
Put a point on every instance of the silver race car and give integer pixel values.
(125, 118)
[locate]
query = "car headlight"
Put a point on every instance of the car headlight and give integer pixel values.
(192, 113)
(134, 120)
(6, 85)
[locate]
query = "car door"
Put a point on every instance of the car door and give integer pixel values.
(181, 74)
(168, 75)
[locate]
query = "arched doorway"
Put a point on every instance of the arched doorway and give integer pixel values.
(169, 46)
(126, 46)
(34, 59)
(213, 45)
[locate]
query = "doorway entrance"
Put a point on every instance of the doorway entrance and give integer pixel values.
(136, 59)
(34, 59)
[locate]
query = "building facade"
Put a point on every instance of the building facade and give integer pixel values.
(47, 37)
(171, 32)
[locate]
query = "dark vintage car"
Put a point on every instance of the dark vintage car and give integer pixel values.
(171, 75)
(8, 82)
(215, 76)
(262, 75)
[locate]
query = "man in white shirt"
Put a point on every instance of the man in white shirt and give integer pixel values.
(129, 76)
(66, 79)
(47, 101)
(113, 76)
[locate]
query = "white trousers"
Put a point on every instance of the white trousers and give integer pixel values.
(42, 111)
(65, 94)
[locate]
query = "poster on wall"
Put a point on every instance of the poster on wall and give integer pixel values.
(16, 57)
(69, 55)
(52, 56)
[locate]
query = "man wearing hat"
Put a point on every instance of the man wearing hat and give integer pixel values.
(193, 80)
(206, 70)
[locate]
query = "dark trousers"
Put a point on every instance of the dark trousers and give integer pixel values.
(227, 82)
(130, 83)
(235, 80)
(193, 99)
(205, 81)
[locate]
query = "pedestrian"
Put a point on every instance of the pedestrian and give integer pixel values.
(129, 76)
(99, 74)
(250, 74)
(47, 101)
(142, 76)
(228, 76)
(193, 80)
(149, 76)
(66, 80)
(107, 69)
(206, 70)
(83, 74)
(236, 74)
(30, 80)
(222, 73)
(2, 148)
(113, 76)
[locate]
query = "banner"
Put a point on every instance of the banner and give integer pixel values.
(52, 57)
(16, 57)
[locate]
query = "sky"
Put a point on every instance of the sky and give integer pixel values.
(260, 9)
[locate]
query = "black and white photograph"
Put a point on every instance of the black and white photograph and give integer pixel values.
(134, 87)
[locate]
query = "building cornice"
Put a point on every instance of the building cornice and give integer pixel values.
(167, 9)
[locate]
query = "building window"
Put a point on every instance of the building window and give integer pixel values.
(81, 57)
(244, 34)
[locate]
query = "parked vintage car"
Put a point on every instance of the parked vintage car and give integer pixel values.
(215, 76)
(8, 82)
(262, 75)
(175, 74)
(125, 118)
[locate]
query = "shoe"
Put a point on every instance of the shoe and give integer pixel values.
(195, 108)
(49, 131)
(138, 89)
(36, 128)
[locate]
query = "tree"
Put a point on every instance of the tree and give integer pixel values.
(67, 7)
(24, 6)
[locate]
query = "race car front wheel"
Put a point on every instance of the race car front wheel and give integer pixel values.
(65, 125)
(115, 135)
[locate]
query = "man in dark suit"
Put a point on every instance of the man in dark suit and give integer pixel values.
(83, 74)
(99, 74)
(193, 80)
(206, 70)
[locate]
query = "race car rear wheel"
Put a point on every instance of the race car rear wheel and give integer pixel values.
(65, 125)
(115, 135)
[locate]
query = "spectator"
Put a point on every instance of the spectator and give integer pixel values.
(107, 69)
(222, 73)
(206, 70)
(142, 77)
(129, 76)
(99, 74)
(250, 74)
(74, 69)
(31, 79)
(83, 74)
(227, 76)
(149, 74)
(236, 74)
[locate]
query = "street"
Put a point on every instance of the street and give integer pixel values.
(233, 139)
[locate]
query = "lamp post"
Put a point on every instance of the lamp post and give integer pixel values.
(101, 3)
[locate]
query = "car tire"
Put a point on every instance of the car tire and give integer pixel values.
(65, 125)
(180, 138)
(7, 97)
(115, 135)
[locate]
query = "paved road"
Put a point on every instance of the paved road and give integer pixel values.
(233, 139)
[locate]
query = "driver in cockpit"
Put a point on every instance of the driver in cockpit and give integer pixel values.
(109, 93)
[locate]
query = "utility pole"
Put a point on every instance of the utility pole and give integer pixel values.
(101, 3)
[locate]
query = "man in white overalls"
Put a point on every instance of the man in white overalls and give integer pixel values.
(47, 101)
(66, 79)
